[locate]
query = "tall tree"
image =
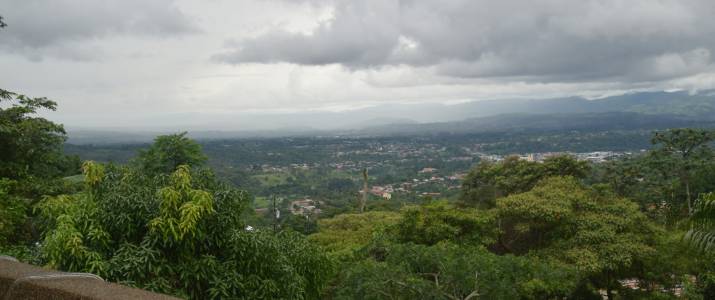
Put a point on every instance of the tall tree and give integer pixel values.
(489, 181)
(31, 162)
(690, 148)
(29, 145)
(168, 152)
(604, 236)
(181, 235)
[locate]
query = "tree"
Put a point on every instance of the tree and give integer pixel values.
(450, 271)
(77, 240)
(180, 234)
(439, 221)
(341, 185)
(489, 181)
(702, 231)
(701, 238)
(12, 212)
(565, 165)
(31, 162)
(168, 152)
(690, 148)
(640, 178)
(345, 233)
(603, 236)
(30, 146)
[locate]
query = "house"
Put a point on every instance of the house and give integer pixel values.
(305, 207)
(382, 191)
(427, 170)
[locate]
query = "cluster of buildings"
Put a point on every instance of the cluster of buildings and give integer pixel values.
(636, 284)
(599, 156)
(382, 191)
(449, 182)
(595, 157)
(354, 166)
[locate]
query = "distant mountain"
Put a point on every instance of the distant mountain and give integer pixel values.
(593, 121)
(380, 122)
(699, 106)
(644, 109)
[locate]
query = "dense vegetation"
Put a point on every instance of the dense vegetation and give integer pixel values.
(163, 222)
(639, 227)
(539, 230)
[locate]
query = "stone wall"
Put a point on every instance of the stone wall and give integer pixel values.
(22, 281)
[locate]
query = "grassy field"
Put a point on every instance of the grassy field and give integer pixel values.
(261, 202)
(272, 179)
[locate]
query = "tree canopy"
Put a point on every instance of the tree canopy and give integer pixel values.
(169, 152)
(30, 146)
(491, 180)
(180, 234)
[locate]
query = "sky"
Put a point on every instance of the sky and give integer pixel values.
(146, 64)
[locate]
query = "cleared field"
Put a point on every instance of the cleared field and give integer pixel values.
(273, 179)
(261, 202)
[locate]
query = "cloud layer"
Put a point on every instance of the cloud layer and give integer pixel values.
(547, 40)
(61, 28)
(117, 63)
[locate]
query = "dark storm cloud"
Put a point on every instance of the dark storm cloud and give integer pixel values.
(60, 27)
(556, 40)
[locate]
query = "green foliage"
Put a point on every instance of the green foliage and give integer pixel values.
(664, 179)
(345, 233)
(703, 288)
(23, 253)
(180, 208)
(168, 153)
(702, 232)
(450, 271)
(71, 245)
(564, 165)
(78, 240)
(559, 239)
(681, 152)
(31, 160)
(600, 234)
(439, 221)
(277, 266)
(489, 181)
(304, 224)
(30, 146)
(180, 234)
(12, 212)
(686, 142)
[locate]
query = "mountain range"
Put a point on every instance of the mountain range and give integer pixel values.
(642, 110)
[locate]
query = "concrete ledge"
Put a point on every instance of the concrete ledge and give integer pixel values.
(23, 281)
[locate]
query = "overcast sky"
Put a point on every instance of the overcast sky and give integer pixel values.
(111, 63)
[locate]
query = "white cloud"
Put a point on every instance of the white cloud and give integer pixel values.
(58, 28)
(135, 62)
(538, 40)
